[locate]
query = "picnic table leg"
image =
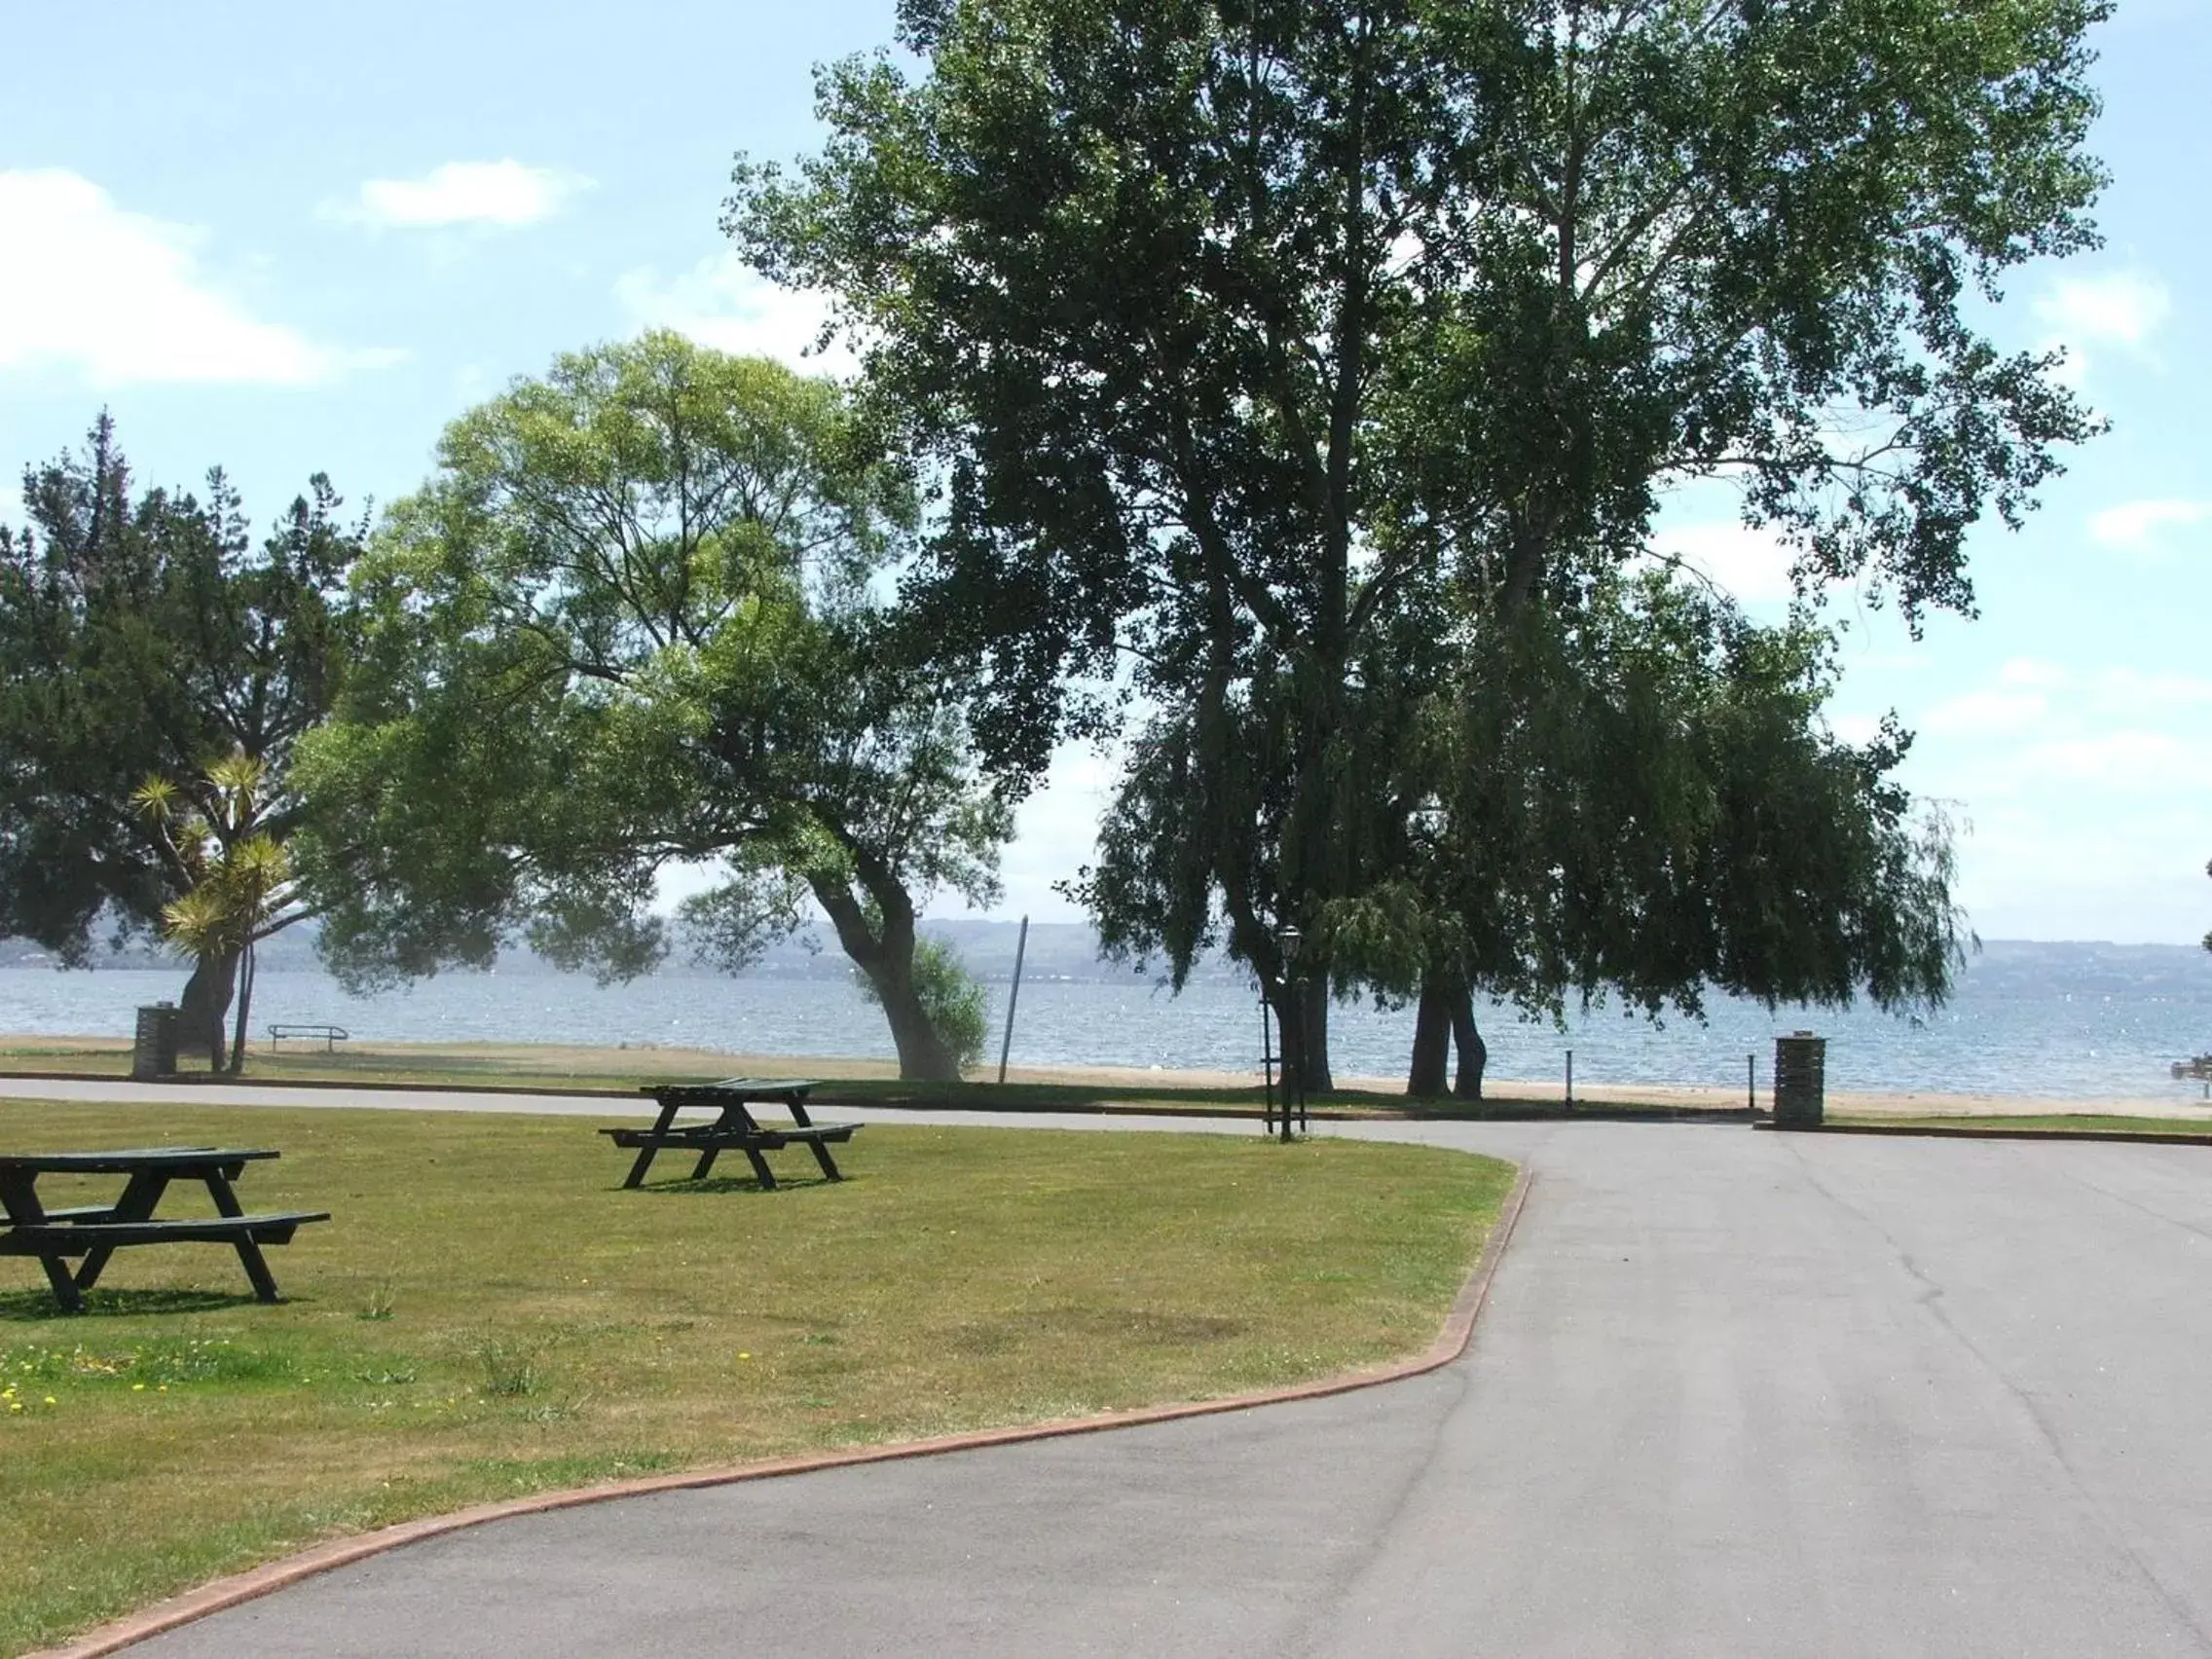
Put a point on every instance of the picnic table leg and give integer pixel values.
(645, 1153)
(65, 1289)
(821, 1157)
(140, 1194)
(761, 1170)
(19, 1198)
(734, 1119)
(250, 1258)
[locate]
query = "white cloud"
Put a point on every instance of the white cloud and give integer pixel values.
(503, 193)
(2036, 873)
(2119, 761)
(2130, 694)
(1056, 832)
(1988, 714)
(722, 302)
(2032, 671)
(2135, 527)
(121, 296)
(1750, 564)
(2089, 787)
(2120, 308)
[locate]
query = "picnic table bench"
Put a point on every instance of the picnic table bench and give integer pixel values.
(734, 1127)
(95, 1232)
(329, 1036)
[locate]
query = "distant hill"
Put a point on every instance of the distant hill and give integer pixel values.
(1056, 950)
(1069, 951)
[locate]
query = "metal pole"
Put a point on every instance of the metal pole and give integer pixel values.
(1014, 996)
(1266, 1067)
(1751, 1083)
(1305, 1125)
(1571, 1077)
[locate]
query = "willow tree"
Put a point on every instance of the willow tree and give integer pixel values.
(1234, 322)
(146, 634)
(1641, 800)
(627, 625)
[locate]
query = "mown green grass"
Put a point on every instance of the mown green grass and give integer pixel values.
(489, 1314)
(620, 1072)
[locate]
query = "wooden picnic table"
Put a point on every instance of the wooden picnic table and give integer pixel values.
(734, 1127)
(95, 1232)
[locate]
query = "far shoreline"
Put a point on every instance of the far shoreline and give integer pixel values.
(521, 1061)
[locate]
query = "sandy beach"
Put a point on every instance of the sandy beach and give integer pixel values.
(24, 1052)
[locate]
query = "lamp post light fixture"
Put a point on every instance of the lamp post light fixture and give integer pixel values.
(1288, 942)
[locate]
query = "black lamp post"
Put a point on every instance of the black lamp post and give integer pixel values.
(1288, 941)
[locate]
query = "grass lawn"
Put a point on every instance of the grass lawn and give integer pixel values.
(523, 1066)
(2195, 1128)
(489, 1315)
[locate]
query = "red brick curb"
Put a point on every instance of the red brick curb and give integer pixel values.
(1450, 1343)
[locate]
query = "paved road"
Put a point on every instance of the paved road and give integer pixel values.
(1736, 1393)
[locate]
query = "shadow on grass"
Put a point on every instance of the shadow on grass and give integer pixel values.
(720, 1183)
(26, 1307)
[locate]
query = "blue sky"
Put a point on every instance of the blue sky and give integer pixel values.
(287, 238)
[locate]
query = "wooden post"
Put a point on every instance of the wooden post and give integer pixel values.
(1571, 1077)
(1014, 996)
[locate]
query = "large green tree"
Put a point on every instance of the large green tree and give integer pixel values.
(146, 638)
(1641, 798)
(630, 623)
(1241, 328)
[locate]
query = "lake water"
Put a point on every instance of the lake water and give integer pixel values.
(2065, 1021)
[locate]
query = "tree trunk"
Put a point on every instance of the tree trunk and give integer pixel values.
(245, 1008)
(923, 1056)
(884, 951)
(207, 998)
(1474, 1053)
(1302, 1015)
(1432, 1042)
(1320, 1076)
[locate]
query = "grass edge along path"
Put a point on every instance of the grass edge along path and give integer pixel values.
(489, 1317)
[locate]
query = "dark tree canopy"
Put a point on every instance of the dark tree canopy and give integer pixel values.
(1251, 336)
(146, 636)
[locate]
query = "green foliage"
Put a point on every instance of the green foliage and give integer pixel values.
(142, 637)
(952, 996)
(146, 636)
(241, 877)
(629, 625)
(1282, 362)
(1646, 800)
